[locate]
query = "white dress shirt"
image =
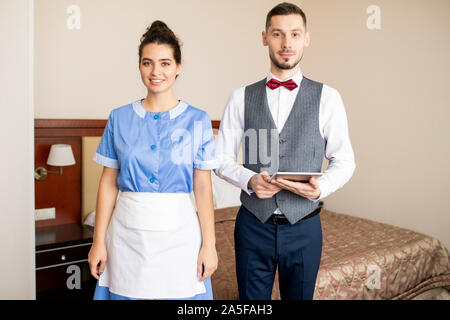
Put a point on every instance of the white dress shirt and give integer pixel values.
(333, 128)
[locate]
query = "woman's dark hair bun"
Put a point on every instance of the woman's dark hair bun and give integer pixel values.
(160, 33)
(157, 27)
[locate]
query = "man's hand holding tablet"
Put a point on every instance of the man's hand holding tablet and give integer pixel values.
(259, 183)
(302, 183)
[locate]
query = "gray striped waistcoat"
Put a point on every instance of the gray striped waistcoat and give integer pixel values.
(299, 147)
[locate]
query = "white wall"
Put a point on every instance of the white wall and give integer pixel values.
(17, 276)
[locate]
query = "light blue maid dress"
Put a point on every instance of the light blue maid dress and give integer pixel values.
(155, 153)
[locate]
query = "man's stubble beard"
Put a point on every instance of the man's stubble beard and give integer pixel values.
(284, 66)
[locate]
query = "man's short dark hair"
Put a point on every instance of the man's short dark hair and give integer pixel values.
(284, 9)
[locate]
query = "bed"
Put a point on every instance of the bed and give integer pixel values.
(361, 259)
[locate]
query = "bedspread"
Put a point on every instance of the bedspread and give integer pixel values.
(364, 259)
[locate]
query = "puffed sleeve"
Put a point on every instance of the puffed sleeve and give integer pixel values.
(205, 158)
(106, 152)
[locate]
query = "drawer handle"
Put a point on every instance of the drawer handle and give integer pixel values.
(63, 257)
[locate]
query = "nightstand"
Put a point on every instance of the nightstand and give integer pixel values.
(62, 269)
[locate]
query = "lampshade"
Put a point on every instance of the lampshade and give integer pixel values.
(60, 155)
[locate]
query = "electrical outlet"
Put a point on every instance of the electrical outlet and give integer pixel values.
(44, 214)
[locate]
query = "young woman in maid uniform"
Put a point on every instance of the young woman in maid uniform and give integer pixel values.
(149, 241)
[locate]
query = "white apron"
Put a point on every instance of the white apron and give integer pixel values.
(153, 241)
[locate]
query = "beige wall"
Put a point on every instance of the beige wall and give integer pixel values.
(17, 276)
(85, 73)
(393, 82)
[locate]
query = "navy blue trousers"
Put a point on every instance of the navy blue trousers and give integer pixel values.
(261, 248)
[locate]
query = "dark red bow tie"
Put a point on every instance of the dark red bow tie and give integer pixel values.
(273, 84)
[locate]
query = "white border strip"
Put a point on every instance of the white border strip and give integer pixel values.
(30, 194)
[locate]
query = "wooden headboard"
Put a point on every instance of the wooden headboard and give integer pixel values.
(73, 194)
(62, 192)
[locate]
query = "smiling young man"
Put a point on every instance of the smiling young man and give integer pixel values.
(291, 123)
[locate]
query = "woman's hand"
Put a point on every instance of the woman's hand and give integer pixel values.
(97, 255)
(207, 259)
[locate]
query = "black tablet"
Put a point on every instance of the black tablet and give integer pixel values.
(296, 176)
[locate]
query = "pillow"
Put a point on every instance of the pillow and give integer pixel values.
(224, 194)
(90, 219)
